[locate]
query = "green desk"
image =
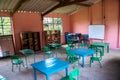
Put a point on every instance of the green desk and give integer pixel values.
(102, 45)
(56, 46)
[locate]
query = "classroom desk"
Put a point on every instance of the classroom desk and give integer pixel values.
(55, 46)
(102, 45)
(27, 53)
(82, 52)
(49, 66)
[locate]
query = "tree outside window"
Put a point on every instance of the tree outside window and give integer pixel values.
(5, 26)
(52, 24)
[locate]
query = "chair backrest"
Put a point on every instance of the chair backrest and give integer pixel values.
(14, 57)
(46, 48)
(75, 73)
(70, 54)
(67, 48)
(98, 50)
(70, 42)
(27, 52)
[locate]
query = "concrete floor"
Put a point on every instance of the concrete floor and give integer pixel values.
(109, 71)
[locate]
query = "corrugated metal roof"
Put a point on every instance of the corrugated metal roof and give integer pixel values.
(41, 6)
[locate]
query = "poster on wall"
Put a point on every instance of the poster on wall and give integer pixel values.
(96, 31)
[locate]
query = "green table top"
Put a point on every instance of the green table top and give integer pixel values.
(101, 44)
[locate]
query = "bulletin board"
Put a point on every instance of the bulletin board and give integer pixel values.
(96, 31)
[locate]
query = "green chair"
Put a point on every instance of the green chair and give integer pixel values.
(47, 51)
(59, 46)
(16, 60)
(27, 53)
(98, 57)
(71, 57)
(73, 75)
(70, 44)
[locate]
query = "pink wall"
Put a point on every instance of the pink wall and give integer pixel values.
(25, 22)
(80, 21)
(111, 21)
(4, 14)
(107, 13)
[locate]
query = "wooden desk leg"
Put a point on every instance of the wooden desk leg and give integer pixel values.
(35, 76)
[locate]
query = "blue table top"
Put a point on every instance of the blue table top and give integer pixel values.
(82, 51)
(50, 66)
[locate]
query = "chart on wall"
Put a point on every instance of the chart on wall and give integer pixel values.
(96, 31)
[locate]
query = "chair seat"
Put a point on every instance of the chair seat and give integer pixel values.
(67, 78)
(95, 58)
(49, 52)
(71, 45)
(17, 61)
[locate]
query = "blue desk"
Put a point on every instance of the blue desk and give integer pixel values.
(49, 66)
(82, 52)
(2, 78)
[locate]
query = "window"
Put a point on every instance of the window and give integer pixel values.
(52, 24)
(5, 26)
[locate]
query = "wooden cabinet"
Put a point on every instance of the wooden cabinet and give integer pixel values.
(30, 40)
(52, 36)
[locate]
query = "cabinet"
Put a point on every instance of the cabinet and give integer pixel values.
(6, 46)
(30, 40)
(52, 36)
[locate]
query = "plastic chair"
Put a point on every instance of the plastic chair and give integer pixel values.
(56, 46)
(47, 51)
(71, 44)
(27, 53)
(73, 75)
(71, 57)
(59, 46)
(98, 56)
(16, 60)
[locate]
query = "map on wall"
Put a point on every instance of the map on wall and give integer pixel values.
(96, 31)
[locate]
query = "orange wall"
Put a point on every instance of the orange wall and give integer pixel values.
(106, 12)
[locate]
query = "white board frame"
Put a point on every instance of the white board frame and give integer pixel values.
(96, 31)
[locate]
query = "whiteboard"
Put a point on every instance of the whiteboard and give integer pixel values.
(96, 31)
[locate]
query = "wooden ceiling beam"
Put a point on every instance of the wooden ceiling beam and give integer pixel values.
(86, 5)
(63, 3)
